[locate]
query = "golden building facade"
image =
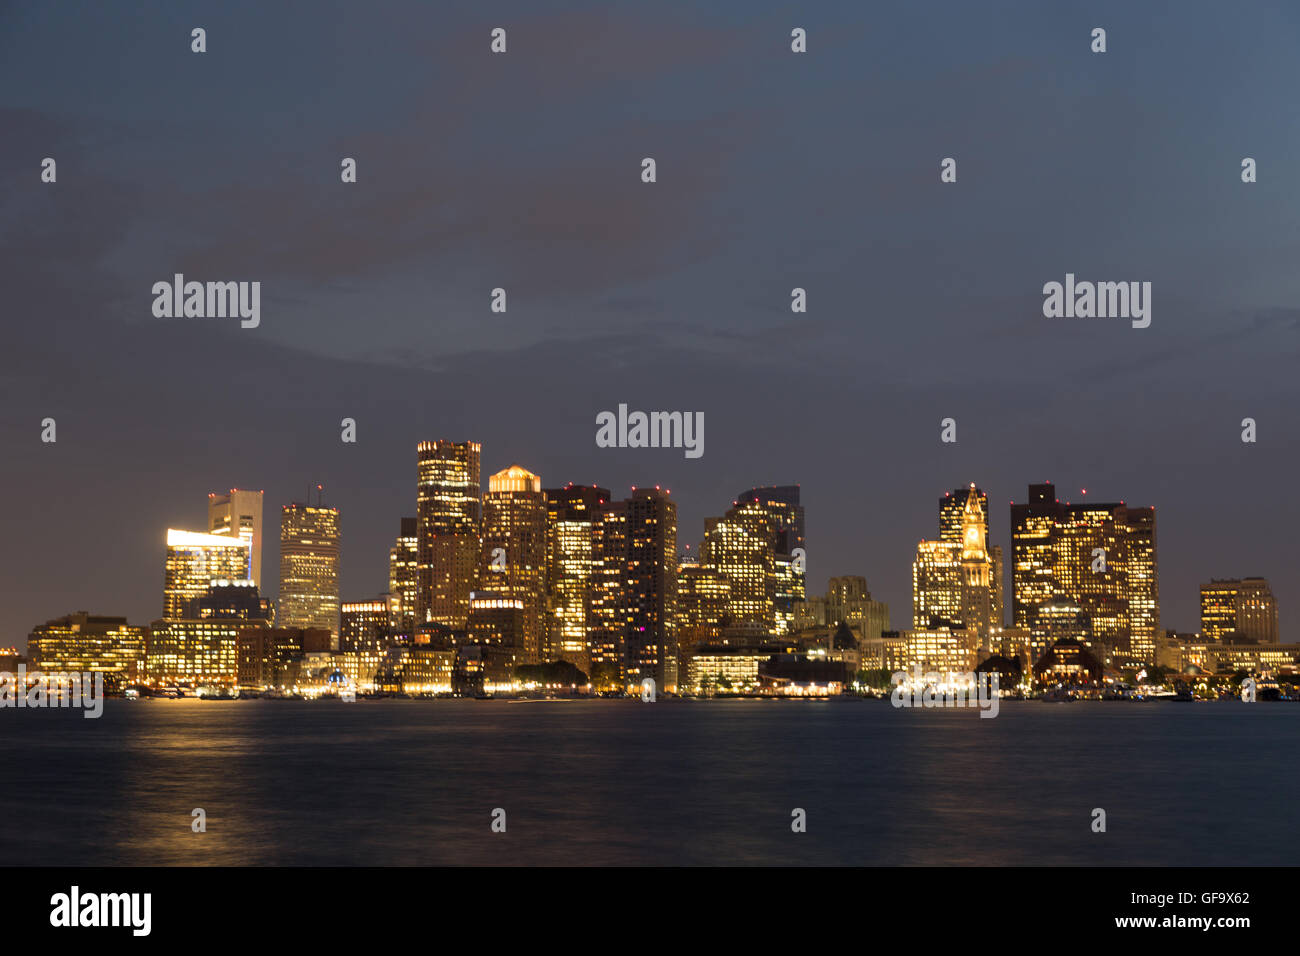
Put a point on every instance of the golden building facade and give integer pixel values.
(195, 652)
(573, 570)
(514, 554)
(84, 643)
(309, 567)
(403, 561)
(448, 529)
(1101, 555)
(194, 560)
(703, 603)
(1239, 608)
(739, 546)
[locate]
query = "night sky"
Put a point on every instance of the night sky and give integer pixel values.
(522, 170)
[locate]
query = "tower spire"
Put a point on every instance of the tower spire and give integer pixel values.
(972, 527)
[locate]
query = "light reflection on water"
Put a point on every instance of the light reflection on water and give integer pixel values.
(676, 782)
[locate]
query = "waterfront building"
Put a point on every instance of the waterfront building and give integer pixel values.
(448, 529)
(1239, 610)
(514, 554)
(1098, 554)
(309, 567)
(403, 578)
(86, 643)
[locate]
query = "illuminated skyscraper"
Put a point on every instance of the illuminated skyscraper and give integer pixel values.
(239, 513)
(650, 595)
(953, 580)
(1101, 556)
(953, 516)
(363, 625)
(403, 560)
(449, 511)
(741, 547)
(514, 552)
(609, 607)
(703, 604)
(786, 517)
(203, 647)
(976, 569)
(309, 567)
(497, 620)
(937, 585)
(573, 571)
(1238, 610)
(195, 560)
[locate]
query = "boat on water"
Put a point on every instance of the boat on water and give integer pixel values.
(1058, 695)
(212, 692)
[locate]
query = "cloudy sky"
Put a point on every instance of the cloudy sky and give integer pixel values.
(522, 170)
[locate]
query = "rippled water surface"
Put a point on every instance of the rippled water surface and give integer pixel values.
(675, 782)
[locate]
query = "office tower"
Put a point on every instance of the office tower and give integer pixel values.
(193, 561)
(953, 583)
(448, 528)
(937, 585)
(848, 601)
(741, 546)
(239, 513)
(609, 606)
(650, 596)
(309, 567)
(514, 552)
(84, 642)
(403, 561)
(203, 647)
(363, 625)
(1101, 555)
(703, 603)
(1142, 584)
(953, 516)
(498, 620)
(786, 517)
(1060, 618)
(1219, 608)
(191, 651)
(573, 568)
(271, 658)
(1238, 610)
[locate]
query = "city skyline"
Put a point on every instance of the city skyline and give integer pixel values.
(515, 479)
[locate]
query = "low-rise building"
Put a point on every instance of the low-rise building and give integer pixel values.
(88, 643)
